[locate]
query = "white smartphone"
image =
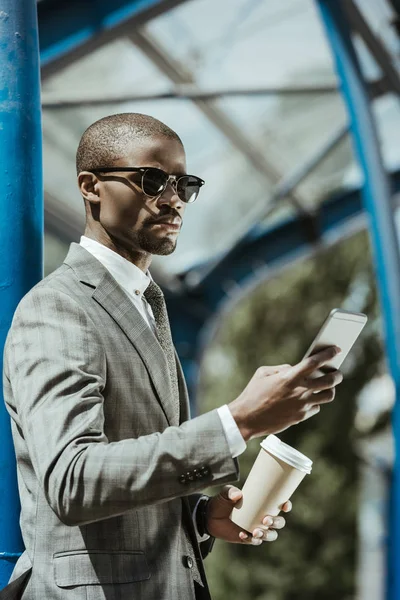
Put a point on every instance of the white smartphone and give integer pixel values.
(341, 328)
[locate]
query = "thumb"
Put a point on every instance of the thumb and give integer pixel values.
(222, 504)
(231, 493)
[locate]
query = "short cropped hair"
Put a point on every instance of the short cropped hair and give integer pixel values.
(105, 141)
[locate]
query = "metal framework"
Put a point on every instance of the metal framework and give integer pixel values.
(376, 47)
(69, 30)
(377, 202)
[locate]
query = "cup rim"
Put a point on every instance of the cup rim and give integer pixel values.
(287, 453)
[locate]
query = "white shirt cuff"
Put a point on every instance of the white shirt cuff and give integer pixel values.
(236, 443)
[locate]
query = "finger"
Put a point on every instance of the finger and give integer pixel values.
(221, 505)
(311, 399)
(256, 542)
(265, 535)
(310, 364)
(234, 494)
(259, 532)
(310, 413)
(270, 536)
(325, 382)
(249, 540)
(279, 523)
(230, 493)
(287, 507)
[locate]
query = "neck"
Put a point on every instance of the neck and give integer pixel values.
(140, 259)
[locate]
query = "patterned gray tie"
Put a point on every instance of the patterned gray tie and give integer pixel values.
(155, 298)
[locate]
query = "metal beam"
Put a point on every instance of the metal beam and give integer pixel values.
(395, 22)
(288, 183)
(262, 250)
(376, 47)
(186, 92)
(21, 224)
(180, 75)
(190, 92)
(70, 30)
(377, 200)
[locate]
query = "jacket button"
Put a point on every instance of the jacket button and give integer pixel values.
(188, 561)
(205, 471)
(189, 476)
(182, 479)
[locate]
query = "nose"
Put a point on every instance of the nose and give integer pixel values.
(170, 196)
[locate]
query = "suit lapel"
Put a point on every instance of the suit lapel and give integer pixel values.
(110, 296)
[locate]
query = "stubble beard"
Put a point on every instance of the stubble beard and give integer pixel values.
(158, 247)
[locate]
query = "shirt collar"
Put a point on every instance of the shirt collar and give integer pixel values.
(125, 273)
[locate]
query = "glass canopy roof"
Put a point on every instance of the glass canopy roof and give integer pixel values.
(273, 111)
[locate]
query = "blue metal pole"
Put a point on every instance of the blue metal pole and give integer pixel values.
(377, 202)
(21, 223)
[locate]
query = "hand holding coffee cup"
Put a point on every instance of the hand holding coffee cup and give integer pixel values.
(219, 524)
(275, 475)
(278, 397)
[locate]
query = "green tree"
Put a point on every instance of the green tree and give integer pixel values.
(314, 556)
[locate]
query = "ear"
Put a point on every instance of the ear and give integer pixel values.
(89, 187)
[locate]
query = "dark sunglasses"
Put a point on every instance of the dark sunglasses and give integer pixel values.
(154, 181)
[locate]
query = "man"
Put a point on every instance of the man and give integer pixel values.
(109, 466)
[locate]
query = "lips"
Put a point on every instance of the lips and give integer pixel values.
(174, 224)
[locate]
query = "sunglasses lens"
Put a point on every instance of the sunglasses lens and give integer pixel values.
(188, 188)
(154, 182)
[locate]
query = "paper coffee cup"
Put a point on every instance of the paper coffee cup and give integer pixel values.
(275, 475)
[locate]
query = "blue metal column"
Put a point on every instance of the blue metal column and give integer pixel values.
(377, 201)
(21, 222)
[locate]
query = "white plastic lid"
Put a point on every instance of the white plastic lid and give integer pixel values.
(290, 455)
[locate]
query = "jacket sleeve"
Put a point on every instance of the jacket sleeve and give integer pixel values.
(55, 373)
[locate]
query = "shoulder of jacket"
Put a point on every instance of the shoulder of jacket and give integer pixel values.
(59, 281)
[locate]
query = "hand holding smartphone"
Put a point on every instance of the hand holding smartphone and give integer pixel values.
(278, 397)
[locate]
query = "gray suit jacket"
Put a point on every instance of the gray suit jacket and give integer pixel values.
(105, 467)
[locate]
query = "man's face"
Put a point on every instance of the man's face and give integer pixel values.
(133, 221)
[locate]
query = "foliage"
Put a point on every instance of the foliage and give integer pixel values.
(315, 555)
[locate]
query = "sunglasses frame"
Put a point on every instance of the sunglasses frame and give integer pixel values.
(173, 179)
